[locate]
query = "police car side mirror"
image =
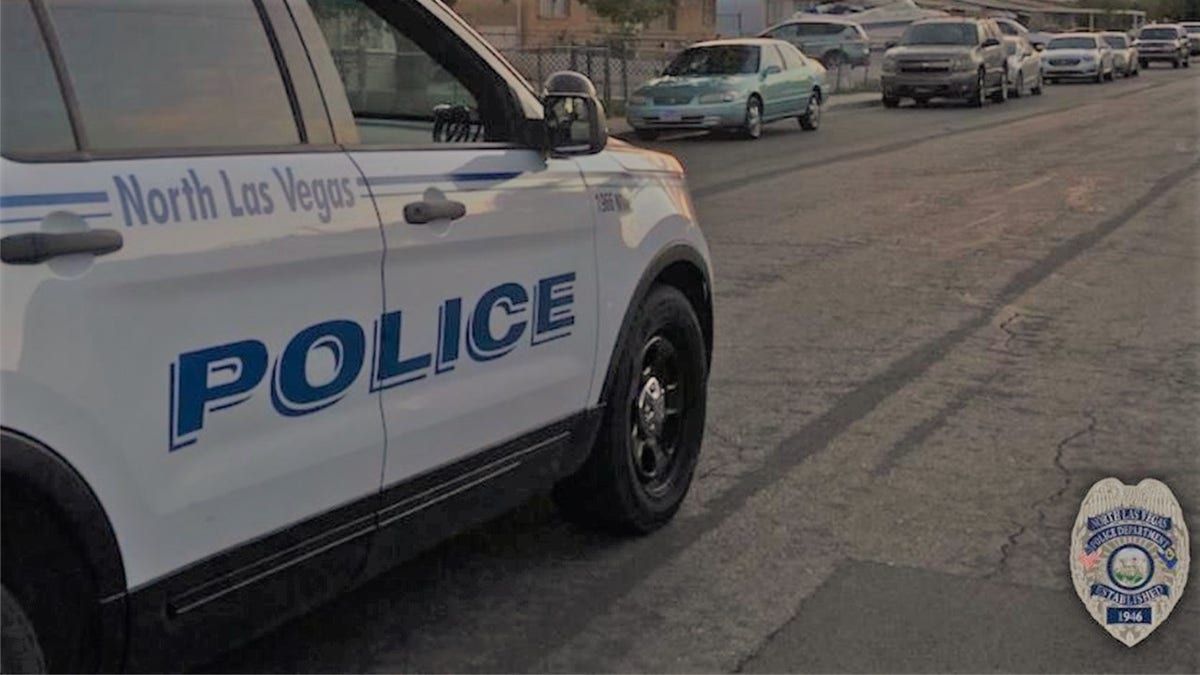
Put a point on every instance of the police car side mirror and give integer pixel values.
(575, 125)
(574, 117)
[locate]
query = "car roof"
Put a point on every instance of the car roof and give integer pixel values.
(746, 41)
(1076, 34)
(950, 19)
(819, 18)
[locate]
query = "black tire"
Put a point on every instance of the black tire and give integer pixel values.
(615, 490)
(891, 101)
(1143, 64)
(1175, 63)
(921, 101)
(753, 126)
(834, 59)
(811, 119)
(19, 648)
(980, 94)
(1099, 76)
(1001, 94)
(1036, 89)
(1187, 63)
(646, 134)
(1019, 88)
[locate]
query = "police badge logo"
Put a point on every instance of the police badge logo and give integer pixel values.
(1129, 556)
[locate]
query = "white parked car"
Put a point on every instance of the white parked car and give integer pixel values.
(1077, 56)
(273, 323)
(1125, 54)
(1024, 66)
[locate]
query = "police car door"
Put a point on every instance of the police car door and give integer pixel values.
(489, 276)
(190, 276)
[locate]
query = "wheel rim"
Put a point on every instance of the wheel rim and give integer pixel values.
(754, 119)
(656, 410)
(814, 111)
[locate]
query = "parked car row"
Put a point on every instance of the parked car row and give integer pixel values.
(977, 59)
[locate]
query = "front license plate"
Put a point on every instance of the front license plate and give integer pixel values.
(671, 116)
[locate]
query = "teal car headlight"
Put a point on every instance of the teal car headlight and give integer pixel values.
(719, 97)
(638, 99)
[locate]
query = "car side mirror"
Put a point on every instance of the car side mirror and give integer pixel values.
(1039, 47)
(990, 42)
(771, 70)
(574, 119)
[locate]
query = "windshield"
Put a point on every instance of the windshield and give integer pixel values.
(1159, 34)
(940, 34)
(718, 60)
(1115, 41)
(1072, 43)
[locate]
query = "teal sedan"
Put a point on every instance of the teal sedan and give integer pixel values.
(738, 84)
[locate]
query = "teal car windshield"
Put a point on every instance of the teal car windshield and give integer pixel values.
(715, 60)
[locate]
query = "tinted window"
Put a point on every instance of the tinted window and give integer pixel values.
(396, 89)
(32, 112)
(719, 60)
(1072, 43)
(149, 73)
(1007, 28)
(1159, 34)
(941, 34)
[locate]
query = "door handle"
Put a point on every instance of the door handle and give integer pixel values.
(420, 213)
(30, 248)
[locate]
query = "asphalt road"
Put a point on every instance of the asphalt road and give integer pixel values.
(936, 328)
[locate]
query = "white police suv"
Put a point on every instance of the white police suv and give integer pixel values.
(295, 288)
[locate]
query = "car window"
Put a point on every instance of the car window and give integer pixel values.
(784, 32)
(1115, 41)
(33, 116)
(941, 34)
(146, 75)
(792, 57)
(1007, 28)
(1072, 43)
(715, 60)
(770, 58)
(1158, 34)
(398, 91)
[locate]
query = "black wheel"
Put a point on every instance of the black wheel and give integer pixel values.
(1187, 63)
(1175, 63)
(1099, 76)
(641, 466)
(1019, 88)
(834, 59)
(1144, 64)
(980, 94)
(891, 101)
(811, 119)
(753, 126)
(1001, 95)
(921, 101)
(646, 134)
(19, 648)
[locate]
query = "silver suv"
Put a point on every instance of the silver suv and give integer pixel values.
(1163, 42)
(946, 58)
